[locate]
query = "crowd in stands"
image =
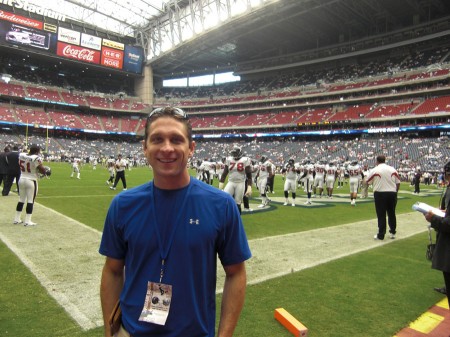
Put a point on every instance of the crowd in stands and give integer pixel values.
(365, 90)
(404, 153)
(55, 74)
(318, 77)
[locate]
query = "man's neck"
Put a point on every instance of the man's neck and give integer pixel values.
(171, 183)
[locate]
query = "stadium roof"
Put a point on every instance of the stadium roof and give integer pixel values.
(289, 27)
(281, 29)
(119, 16)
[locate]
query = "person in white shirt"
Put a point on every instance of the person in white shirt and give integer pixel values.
(30, 165)
(386, 182)
(330, 178)
(111, 170)
(355, 176)
(239, 168)
(120, 165)
(308, 176)
(263, 172)
(76, 167)
(319, 168)
(290, 172)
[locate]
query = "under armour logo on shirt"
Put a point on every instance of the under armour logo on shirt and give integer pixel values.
(194, 222)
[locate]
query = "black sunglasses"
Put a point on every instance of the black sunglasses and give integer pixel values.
(172, 111)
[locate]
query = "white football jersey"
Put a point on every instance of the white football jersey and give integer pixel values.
(309, 169)
(330, 171)
(354, 171)
(28, 165)
(263, 169)
(236, 169)
(320, 170)
(291, 171)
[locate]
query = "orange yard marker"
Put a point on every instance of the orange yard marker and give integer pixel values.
(290, 323)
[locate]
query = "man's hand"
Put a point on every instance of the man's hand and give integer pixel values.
(429, 216)
(248, 193)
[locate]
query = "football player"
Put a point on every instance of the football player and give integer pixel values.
(290, 171)
(30, 165)
(220, 166)
(198, 169)
(271, 179)
(364, 185)
(319, 169)
(341, 176)
(239, 169)
(262, 174)
(76, 167)
(330, 178)
(111, 170)
(308, 176)
(355, 176)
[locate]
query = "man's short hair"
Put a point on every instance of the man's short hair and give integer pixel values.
(381, 158)
(34, 149)
(175, 113)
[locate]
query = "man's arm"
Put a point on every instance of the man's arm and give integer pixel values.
(232, 298)
(110, 288)
(223, 177)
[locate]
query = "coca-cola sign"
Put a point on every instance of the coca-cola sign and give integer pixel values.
(78, 53)
(11, 17)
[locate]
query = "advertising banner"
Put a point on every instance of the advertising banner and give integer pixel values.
(90, 41)
(112, 58)
(28, 33)
(14, 34)
(133, 59)
(113, 44)
(78, 53)
(69, 36)
(20, 20)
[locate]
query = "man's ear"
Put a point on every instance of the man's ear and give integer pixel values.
(192, 148)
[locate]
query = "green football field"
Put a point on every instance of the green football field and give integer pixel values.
(373, 292)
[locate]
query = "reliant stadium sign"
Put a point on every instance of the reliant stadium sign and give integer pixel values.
(26, 6)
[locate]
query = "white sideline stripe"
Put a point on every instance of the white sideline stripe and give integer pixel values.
(71, 274)
(63, 255)
(280, 255)
(63, 300)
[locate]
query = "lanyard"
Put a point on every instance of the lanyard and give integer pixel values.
(164, 247)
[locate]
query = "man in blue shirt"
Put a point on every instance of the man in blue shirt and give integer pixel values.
(161, 241)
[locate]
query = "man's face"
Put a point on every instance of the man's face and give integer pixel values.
(167, 147)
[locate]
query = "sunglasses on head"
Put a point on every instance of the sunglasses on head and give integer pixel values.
(165, 111)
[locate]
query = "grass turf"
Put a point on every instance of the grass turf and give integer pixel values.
(373, 293)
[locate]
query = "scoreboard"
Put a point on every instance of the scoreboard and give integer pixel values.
(31, 34)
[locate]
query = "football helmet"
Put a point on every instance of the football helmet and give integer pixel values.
(263, 158)
(236, 153)
(48, 172)
(354, 162)
(291, 161)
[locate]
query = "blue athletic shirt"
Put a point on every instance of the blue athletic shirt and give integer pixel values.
(209, 225)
